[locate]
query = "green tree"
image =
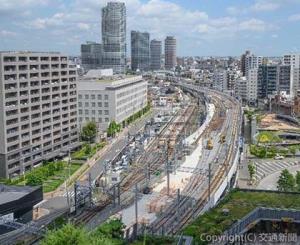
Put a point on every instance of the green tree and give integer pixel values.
(67, 235)
(87, 149)
(113, 128)
(51, 168)
(298, 180)
(109, 233)
(286, 181)
(112, 229)
(89, 131)
(34, 179)
(293, 149)
(251, 170)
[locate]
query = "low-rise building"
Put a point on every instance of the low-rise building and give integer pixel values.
(110, 99)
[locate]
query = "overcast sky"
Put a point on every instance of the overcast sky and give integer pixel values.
(202, 27)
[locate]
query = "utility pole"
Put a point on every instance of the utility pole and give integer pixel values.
(105, 174)
(178, 204)
(209, 180)
(148, 174)
(136, 204)
(119, 194)
(114, 195)
(168, 170)
(75, 196)
(90, 188)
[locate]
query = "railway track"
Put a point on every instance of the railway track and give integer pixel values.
(189, 205)
(170, 133)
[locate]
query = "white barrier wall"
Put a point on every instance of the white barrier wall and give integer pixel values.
(210, 108)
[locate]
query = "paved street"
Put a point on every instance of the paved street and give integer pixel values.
(270, 182)
(117, 144)
(267, 167)
(267, 172)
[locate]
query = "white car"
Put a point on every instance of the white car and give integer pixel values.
(278, 157)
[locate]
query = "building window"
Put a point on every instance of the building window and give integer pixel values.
(100, 112)
(106, 119)
(86, 96)
(99, 104)
(106, 104)
(80, 96)
(79, 104)
(99, 97)
(86, 104)
(86, 112)
(106, 97)
(80, 112)
(93, 96)
(106, 112)
(87, 119)
(93, 112)
(93, 104)
(100, 120)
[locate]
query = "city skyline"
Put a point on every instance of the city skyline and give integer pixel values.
(202, 28)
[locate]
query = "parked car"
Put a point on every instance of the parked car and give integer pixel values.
(278, 157)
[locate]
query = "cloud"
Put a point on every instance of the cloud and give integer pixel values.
(265, 5)
(43, 23)
(83, 26)
(258, 6)
(295, 17)
(253, 25)
(79, 21)
(5, 33)
(7, 6)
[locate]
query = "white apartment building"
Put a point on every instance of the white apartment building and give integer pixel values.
(294, 61)
(252, 85)
(220, 80)
(241, 88)
(105, 100)
(38, 117)
(252, 62)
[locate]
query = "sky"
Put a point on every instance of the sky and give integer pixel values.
(202, 27)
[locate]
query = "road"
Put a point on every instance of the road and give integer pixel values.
(115, 146)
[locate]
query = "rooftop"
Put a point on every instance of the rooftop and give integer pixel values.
(12, 193)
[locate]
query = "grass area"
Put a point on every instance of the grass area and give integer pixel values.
(87, 151)
(50, 175)
(153, 240)
(272, 151)
(268, 137)
(239, 204)
(53, 182)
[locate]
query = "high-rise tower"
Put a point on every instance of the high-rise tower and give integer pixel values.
(170, 53)
(155, 54)
(114, 36)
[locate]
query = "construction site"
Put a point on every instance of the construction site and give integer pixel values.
(159, 182)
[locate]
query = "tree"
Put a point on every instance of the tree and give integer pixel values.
(112, 229)
(298, 180)
(34, 179)
(251, 170)
(109, 233)
(67, 235)
(51, 168)
(89, 131)
(293, 150)
(113, 128)
(87, 149)
(286, 181)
